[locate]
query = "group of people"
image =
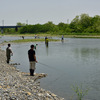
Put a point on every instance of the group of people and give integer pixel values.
(31, 56)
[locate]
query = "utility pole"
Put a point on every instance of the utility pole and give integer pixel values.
(2, 22)
(2, 25)
(26, 22)
(67, 21)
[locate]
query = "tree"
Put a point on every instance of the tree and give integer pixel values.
(50, 27)
(20, 24)
(75, 25)
(96, 23)
(85, 21)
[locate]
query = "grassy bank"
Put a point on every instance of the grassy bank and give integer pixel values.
(28, 34)
(32, 40)
(56, 34)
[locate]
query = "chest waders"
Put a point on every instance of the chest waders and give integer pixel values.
(8, 54)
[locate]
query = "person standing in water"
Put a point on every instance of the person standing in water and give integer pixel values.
(32, 60)
(8, 52)
(62, 38)
(35, 46)
(46, 41)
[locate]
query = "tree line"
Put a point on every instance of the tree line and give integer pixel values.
(81, 25)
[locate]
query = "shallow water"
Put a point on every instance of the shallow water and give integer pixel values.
(73, 61)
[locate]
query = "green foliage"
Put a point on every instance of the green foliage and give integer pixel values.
(79, 91)
(20, 24)
(86, 24)
(32, 40)
(80, 24)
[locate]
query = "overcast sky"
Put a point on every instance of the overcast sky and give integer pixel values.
(42, 11)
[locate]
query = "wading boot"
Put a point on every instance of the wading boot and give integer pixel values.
(31, 72)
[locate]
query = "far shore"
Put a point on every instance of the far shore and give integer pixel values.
(52, 35)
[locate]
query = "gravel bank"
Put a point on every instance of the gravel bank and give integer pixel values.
(16, 85)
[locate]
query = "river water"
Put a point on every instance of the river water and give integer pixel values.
(75, 61)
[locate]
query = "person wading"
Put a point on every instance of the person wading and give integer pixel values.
(8, 53)
(32, 60)
(62, 38)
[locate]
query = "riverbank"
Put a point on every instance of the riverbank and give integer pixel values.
(17, 85)
(32, 40)
(51, 35)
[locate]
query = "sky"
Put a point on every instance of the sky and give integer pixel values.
(42, 11)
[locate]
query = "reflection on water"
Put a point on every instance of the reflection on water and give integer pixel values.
(87, 53)
(47, 49)
(74, 60)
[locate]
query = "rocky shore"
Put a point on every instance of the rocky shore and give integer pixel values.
(17, 85)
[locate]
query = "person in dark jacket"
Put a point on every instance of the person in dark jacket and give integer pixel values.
(32, 60)
(8, 52)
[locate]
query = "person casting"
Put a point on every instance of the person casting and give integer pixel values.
(32, 60)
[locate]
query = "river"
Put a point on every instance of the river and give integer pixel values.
(75, 61)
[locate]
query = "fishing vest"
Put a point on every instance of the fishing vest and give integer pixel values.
(8, 51)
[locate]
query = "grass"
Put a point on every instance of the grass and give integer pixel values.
(51, 34)
(32, 40)
(82, 36)
(80, 92)
(28, 34)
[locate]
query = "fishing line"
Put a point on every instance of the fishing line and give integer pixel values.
(56, 79)
(51, 67)
(55, 69)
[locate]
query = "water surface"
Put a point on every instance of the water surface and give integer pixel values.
(67, 63)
